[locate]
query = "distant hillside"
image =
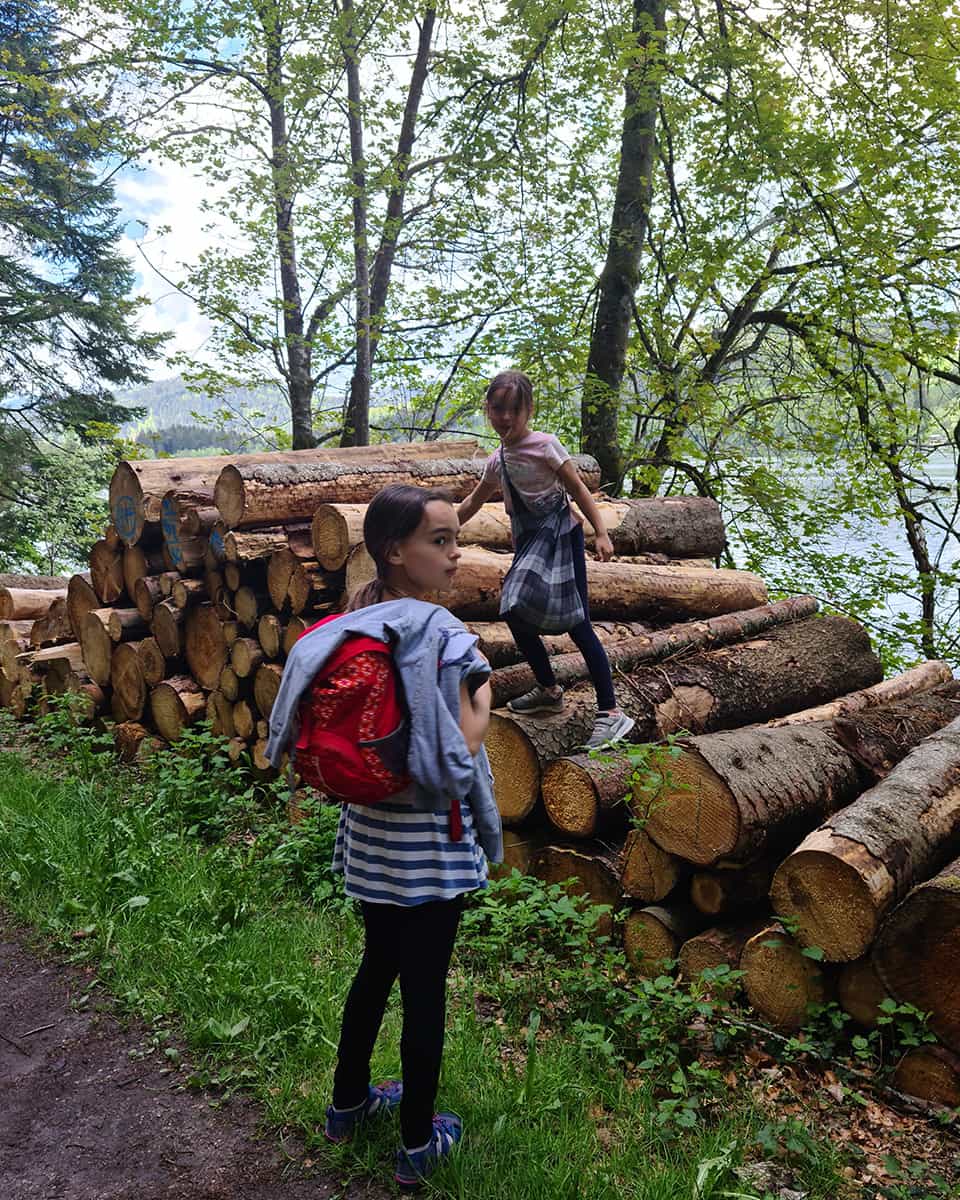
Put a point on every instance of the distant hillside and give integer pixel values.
(168, 402)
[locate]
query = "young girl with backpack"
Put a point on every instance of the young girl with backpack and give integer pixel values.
(546, 589)
(411, 857)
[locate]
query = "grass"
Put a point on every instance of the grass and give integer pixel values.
(221, 927)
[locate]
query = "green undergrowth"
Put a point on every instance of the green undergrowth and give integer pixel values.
(216, 922)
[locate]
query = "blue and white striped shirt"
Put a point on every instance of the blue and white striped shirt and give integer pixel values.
(391, 854)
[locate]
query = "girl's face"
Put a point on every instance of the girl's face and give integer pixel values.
(427, 560)
(508, 416)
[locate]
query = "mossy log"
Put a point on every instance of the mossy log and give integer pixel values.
(627, 654)
(782, 982)
(846, 875)
(917, 952)
(731, 795)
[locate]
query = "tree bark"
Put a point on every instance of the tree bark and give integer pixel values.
(239, 547)
(731, 795)
(125, 624)
(25, 604)
(780, 981)
(917, 952)
(276, 493)
(628, 229)
(137, 487)
(918, 679)
(497, 645)
(718, 689)
(508, 683)
(841, 881)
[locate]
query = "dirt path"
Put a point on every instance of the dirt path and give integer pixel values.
(80, 1119)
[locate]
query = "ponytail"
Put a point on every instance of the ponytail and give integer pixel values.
(369, 593)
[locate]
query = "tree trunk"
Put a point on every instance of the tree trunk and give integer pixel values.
(137, 563)
(510, 682)
(246, 655)
(146, 595)
(244, 720)
(81, 599)
(860, 991)
(581, 792)
(780, 981)
(266, 684)
(269, 634)
(168, 626)
(621, 591)
(648, 873)
(918, 679)
(153, 662)
(719, 893)
(652, 936)
(106, 572)
(176, 704)
(628, 229)
(127, 681)
(931, 1073)
(497, 645)
(731, 795)
(137, 487)
(722, 688)
(248, 604)
(293, 631)
(53, 626)
(842, 880)
(25, 604)
(205, 645)
(310, 585)
(917, 952)
(721, 946)
(276, 493)
(681, 527)
(97, 645)
(240, 547)
(129, 737)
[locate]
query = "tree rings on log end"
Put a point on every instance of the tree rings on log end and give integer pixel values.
(830, 897)
(694, 814)
(930, 1073)
(175, 704)
(206, 647)
(649, 873)
(781, 982)
(570, 798)
(266, 685)
(516, 769)
(648, 943)
(331, 537)
(860, 991)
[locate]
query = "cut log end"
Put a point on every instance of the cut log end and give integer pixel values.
(570, 798)
(703, 822)
(516, 769)
(930, 1073)
(781, 982)
(649, 873)
(830, 900)
(861, 992)
(648, 941)
(175, 704)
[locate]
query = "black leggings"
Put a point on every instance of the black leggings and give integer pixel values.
(584, 638)
(414, 942)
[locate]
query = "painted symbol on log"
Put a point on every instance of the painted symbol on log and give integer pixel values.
(216, 544)
(171, 532)
(125, 518)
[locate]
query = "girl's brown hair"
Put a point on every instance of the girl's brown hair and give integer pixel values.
(515, 386)
(392, 515)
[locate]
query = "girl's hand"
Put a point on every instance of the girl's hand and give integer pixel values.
(603, 547)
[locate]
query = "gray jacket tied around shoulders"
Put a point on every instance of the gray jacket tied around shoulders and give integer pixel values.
(433, 653)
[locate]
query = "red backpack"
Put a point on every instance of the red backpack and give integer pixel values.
(353, 731)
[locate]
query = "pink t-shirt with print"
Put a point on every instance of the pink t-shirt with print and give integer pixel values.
(532, 464)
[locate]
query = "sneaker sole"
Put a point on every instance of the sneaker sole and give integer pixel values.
(540, 708)
(613, 737)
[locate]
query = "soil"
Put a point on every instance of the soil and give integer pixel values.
(84, 1117)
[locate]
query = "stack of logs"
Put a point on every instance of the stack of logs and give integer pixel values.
(770, 758)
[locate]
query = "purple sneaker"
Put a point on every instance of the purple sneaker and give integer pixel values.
(342, 1122)
(414, 1166)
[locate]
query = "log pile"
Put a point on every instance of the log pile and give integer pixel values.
(775, 780)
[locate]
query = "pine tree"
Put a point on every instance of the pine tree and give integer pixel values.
(67, 319)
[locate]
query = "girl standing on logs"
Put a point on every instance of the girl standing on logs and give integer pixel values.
(409, 860)
(545, 590)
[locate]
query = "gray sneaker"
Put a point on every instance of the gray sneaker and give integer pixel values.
(537, 700)
(609, 727)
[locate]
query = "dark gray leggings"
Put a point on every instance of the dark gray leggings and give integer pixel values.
(584, 637)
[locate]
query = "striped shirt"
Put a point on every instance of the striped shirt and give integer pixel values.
(390, 854)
